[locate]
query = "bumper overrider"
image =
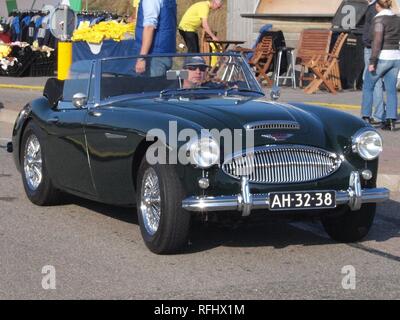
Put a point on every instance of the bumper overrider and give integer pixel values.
(245, 202)
(10, 147)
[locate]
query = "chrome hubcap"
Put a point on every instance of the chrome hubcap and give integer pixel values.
(33, 163)
(150, 204)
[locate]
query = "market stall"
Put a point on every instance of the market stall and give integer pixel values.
(26, 44)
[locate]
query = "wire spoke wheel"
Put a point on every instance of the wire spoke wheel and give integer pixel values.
(150, 204)
(164, 225)
(33, 163)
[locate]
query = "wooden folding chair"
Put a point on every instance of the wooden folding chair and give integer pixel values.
(312, 42)
(206, 47)
(263, 56)
(326, 68)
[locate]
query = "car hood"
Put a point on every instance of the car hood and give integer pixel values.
(223, 114)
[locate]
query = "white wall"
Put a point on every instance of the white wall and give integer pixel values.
(3, 8)
(398, 5)
(239, 28)
(27, 4)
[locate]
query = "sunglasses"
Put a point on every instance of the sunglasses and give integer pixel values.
(194, 68)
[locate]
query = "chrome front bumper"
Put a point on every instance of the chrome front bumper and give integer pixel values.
(245, 202)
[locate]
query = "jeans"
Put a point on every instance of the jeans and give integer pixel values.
(388, 70)
(159, 66)
(378, 102)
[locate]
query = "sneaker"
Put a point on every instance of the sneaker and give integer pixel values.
(389, 125)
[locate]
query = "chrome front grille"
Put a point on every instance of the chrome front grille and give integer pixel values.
(283, 164)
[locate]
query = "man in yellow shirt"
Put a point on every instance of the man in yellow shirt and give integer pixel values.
(194, 18)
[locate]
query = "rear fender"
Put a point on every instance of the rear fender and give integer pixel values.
(21, 122)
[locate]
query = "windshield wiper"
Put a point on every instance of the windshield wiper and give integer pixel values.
(235, 91)
(185, 91)
(126, 97)
(248, 93)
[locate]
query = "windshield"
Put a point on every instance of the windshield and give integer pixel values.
(80, 80)
(189, 76)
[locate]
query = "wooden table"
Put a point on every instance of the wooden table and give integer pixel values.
(225, 44)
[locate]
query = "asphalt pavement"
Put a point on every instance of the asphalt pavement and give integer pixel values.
(97, 251)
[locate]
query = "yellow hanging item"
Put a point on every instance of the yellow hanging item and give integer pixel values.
(106, 30)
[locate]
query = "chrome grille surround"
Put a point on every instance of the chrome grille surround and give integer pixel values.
(281, 164)
(273, 125)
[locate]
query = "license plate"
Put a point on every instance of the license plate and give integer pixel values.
(302, 200)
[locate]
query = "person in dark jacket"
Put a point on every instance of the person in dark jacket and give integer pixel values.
(385, 60)
(378, 104)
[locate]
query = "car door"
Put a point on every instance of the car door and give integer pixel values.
(111, 147)
(110, 134)
(67, 151)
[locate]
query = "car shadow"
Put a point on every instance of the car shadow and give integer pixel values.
(268, 232)
(278, 232)
(125, 214)
(386, 227)
(257, 231)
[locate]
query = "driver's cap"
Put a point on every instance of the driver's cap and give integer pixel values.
(195, 61)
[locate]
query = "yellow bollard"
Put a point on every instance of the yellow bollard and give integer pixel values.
(64, 59)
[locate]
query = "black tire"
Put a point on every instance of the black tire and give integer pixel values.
(350, 226)
(173, 230)
(45, 194)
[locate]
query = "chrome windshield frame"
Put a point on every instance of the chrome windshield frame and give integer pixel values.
(247, 72)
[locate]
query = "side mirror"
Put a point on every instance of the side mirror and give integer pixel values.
(177, 74)
(275, 93)
(79, 100)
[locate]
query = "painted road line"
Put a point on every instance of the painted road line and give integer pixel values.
(21, 87)
(335, 105)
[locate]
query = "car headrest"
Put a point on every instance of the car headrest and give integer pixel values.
(53, 91)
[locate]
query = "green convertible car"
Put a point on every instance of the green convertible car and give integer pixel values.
(194, 136)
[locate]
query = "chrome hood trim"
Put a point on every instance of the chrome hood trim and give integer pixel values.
(273, 125)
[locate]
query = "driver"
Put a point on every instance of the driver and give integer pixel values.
(197, 68)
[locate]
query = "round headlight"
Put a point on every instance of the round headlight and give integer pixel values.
(204, 153)
(368, 144)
